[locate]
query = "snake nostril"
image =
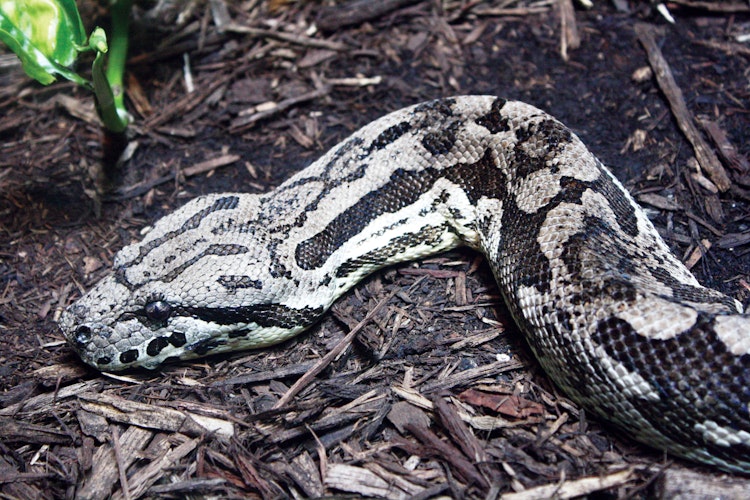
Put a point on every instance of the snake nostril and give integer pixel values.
(83, 334)
(78, 310)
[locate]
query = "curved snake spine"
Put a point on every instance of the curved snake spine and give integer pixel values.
(613, 317)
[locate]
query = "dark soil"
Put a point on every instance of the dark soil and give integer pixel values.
(68, 431)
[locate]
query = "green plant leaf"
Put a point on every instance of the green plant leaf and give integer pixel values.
(46, 35)
(33, 61)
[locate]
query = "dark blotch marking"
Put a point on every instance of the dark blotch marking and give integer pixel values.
(226, 249)
(687, 293)
(429, 235)
(596, 233)
(441, 107)
(623, 210)
(521, 259)
(104, 360)
(215, 249)
(404, 187)
(234, 282)
(278, 269)
(129, 356)
(441, 142)
(177, 339)
(580, 258)
(553, 132)
(156, 346)
(495, 121)
(264, 315)
(614, 244)
(401, 190)
(549, 137)
(522, 252)
(389, 135)
(235, 334)
(696, 377)
(480, 179)
(205, 346)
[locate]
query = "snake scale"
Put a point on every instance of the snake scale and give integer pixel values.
(613, 317)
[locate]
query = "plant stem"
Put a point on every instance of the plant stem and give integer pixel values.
(118, 52)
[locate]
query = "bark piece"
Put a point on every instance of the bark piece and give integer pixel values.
(357, 12)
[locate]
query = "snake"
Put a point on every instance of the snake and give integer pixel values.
(613, 317)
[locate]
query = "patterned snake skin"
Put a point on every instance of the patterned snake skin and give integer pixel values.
(613, 317)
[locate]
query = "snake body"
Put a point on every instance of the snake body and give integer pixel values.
(613, 317)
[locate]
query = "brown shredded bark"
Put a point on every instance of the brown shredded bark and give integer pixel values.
(417, 385)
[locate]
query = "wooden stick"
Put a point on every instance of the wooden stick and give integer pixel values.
(305, 41)
(703, 153)
(242, 123)
(326, 360)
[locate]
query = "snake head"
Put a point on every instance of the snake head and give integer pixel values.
(202, 281)
(110, 331)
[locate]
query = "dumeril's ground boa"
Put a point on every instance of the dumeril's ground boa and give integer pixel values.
(613, 317)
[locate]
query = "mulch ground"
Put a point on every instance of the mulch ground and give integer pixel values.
(435, 395)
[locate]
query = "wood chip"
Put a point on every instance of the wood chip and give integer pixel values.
(242, 123)
(569, 37)
(733, 240)
(682, 483)
(208, 165)
(147, 476)
(658, 201)
(102, 478)
(467, 377)
(18, 431)
(414, 421)
(326, 360)
(367, 483)
(459, 432)
(714, 6)
(286, 37)
(43, 402)
(510, 405)
(574, 488)
(697, 252)
(726, 149)
(154, 417)
(356, 12)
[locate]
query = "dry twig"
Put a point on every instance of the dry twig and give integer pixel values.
(703, 152)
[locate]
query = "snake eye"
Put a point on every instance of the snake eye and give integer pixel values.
(83, 334)
(158, 310)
